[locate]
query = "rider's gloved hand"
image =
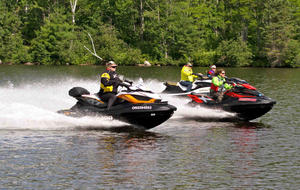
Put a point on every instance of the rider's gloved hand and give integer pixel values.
(118, 81)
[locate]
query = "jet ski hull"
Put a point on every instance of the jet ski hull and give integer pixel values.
(136, 106)
(146, 120)
(249, 111)
(246, 109)
(144, 116)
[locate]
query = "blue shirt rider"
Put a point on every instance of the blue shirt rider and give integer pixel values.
(212, 72)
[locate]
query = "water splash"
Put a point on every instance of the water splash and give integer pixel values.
(34, 105)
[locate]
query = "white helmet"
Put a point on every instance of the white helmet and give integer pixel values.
(110, 63)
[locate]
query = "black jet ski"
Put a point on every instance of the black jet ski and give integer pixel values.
(136, 106)
(243, 99)
(200, 85)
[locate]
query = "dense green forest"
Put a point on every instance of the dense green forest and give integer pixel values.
(231, 33)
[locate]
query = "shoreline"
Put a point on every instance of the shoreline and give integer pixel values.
(139, 65)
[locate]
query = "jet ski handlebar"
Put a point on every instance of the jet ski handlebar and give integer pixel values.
(128, 81)
(124, 83)
(236, 80)
(200, 75)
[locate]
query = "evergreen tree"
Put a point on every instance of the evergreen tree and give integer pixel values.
(12, 49)
(52, 44)
(278, 31)
(227, 33)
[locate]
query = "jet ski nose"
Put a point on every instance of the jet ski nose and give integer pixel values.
(271, 101)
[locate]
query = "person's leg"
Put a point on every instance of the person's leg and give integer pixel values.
(104, 97)
(111, 101)
(220, 96)
(213, 94)
(110, 98)
(189, 87)
(188, 84)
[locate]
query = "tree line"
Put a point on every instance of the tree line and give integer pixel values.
(233, 33)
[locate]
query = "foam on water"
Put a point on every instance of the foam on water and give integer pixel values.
(34, 105)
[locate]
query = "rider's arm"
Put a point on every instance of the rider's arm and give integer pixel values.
(197, 75)
(106, 81)
(227, 86)
(191, 78)
(189, 74)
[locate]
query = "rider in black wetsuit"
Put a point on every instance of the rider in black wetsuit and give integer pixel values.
(109, 84)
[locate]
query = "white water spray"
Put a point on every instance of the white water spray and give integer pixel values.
(34, 105)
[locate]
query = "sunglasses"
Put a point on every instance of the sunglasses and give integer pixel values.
(223, 73)
(113, 66)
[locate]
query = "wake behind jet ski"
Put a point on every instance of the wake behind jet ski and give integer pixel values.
(243, 99)
(136, 106)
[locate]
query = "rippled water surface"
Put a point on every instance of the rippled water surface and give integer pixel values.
(41, 149)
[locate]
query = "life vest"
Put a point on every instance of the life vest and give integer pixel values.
(187, 74)
(220, 81)
(108, 76)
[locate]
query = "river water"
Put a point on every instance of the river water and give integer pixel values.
(41, 149)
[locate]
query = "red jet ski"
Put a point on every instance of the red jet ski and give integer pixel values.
(243, 99)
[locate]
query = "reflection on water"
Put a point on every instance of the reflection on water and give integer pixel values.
(129, 159)
(207, 156)
(245, 143)
(43, 150)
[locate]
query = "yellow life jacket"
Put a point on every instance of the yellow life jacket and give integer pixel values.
(187, 74)
(106, 88)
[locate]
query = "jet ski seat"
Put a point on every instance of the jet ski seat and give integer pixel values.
(93, 96)
(99, 102)
(168, 83)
